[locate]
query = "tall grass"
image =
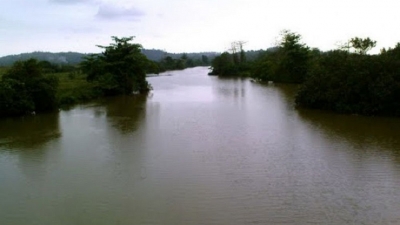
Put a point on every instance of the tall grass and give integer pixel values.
(73, 88)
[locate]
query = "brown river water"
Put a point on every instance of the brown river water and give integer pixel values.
(199, 150)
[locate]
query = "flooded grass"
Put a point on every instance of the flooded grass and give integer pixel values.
(73, 89)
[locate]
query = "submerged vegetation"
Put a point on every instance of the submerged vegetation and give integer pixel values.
(344, 80)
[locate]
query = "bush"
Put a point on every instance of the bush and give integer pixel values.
(23, 89)
(353, 83)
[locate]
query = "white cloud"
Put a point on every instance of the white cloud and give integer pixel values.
(111, 11)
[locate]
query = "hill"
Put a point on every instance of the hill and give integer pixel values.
(72, 58)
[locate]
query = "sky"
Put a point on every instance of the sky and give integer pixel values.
(191, 25)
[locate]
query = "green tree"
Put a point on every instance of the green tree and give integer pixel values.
(120, 69)
(287, 63)
(294, 56)
(14, 98)
(353, 83)
(180, 64)
(223, 65)
(23, 89)
(204, 60)
(168, 63)
(190, 63)
(362, 45)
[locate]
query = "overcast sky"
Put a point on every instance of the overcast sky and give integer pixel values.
(191, 25)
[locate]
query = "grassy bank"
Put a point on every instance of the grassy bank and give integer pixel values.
(73, 88)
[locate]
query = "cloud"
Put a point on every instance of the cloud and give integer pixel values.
(70, 1)
(108, 11)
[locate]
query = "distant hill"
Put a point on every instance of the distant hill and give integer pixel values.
(72, 58)
(157, 55)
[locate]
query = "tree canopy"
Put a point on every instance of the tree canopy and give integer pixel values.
(233, 63)
(288, 62)
(120, 69)
(24, 89)
(362, 45)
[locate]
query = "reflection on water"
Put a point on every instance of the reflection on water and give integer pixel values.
(199, 150)
(29, 141)
(365, 135)
(234, 87)
(28, 132)
(126, 112)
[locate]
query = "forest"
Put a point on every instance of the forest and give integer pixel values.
(344, 80)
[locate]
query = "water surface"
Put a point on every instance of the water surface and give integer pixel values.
(199, 150)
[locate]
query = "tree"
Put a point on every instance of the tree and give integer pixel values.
(353, 83)
(287, 63)
(238, 54)
(167, 63)
(240, 45)
(23, 89)
(223, 65)
(234, 52)
(120, 69)
(362, 46)
(204, 60)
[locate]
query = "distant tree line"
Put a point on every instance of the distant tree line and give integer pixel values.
(180, 63)
(74, 58)
(158, 55)
(344, 80)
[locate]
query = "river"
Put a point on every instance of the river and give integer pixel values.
(199, 150)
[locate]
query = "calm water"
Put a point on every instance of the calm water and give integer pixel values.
(199, 150)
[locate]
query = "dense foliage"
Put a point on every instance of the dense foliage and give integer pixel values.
(354, 83)
(287, 63)
(120, 69)
(346, 80)
(24, 89)
(231, 64)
